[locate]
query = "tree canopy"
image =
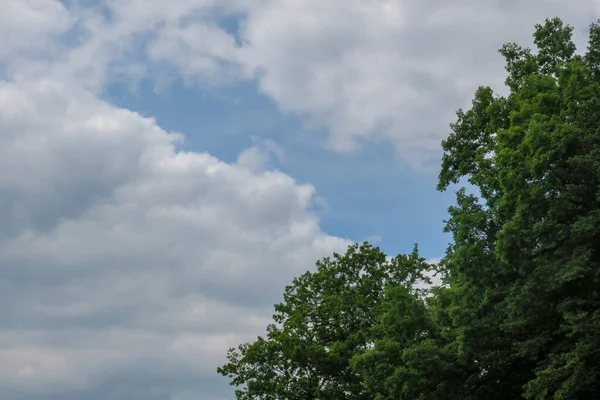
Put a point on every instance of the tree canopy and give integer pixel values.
(518, 313)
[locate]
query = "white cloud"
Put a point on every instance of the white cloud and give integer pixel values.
(389, 69)
(375, 70)
(199, 49)
(120, 255)
(27, 26)
(117, 250)
(258, 157)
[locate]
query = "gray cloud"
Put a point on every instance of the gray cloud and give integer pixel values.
(128, 261)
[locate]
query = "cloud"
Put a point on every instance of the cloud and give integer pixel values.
(28, 26)
(364, 71)
(122, 254)
(377, 70)
(387, 69)
(127, 264)
(258, 157)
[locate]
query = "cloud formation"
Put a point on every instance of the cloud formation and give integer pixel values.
(116, 249)
(128, 265)
(376, 70)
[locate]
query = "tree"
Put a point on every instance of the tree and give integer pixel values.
(526, 253)
(410, 359)
(327, 317)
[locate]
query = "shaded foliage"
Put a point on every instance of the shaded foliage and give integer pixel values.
(327, 317)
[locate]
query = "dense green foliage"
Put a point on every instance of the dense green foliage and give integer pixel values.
(518, 315)
(326, 318)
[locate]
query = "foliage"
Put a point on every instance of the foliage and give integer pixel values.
(327, 317)
(530, 240)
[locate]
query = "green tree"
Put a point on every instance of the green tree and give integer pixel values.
(410, 359)
(326, 318)
(525, 262)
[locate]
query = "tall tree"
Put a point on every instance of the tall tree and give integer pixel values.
(526, 251)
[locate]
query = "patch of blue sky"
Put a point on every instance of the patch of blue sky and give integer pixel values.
(369, 194)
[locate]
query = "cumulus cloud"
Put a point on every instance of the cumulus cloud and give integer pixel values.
(118, 250)
(376, 70)
(127, 265)
(388, 69)
(28, 26)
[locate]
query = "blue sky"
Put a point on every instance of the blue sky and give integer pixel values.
(370, 194)
(168, 167)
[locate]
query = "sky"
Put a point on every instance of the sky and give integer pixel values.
(167, 167)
